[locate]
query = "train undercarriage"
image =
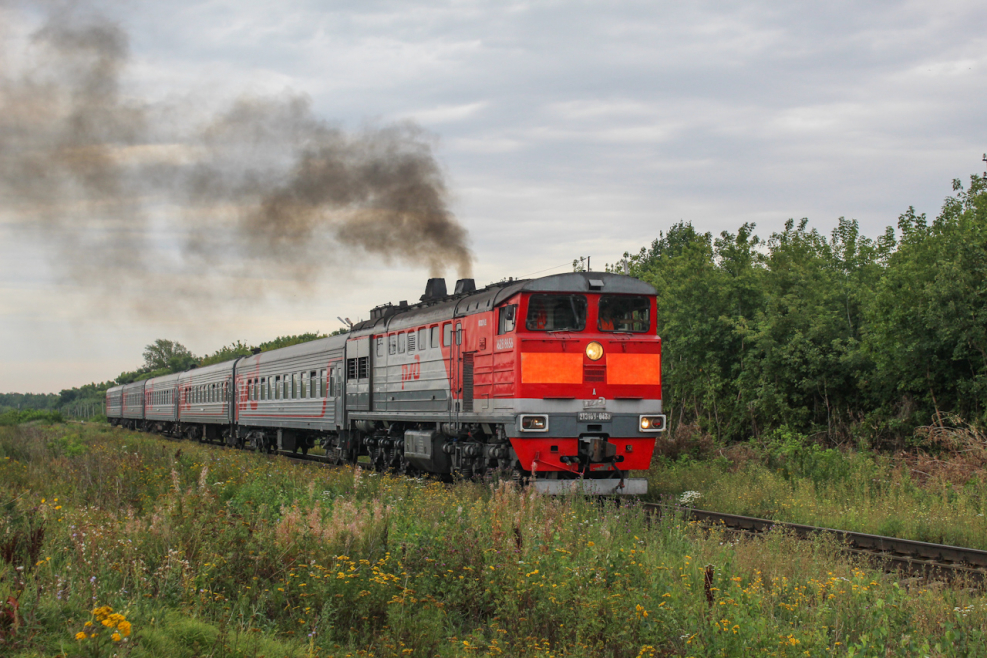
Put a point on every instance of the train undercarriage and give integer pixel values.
(440, 450)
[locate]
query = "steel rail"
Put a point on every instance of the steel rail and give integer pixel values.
(906, 553)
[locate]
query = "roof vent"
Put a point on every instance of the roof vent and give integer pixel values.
(434, 289)
(464, 286)
(596, 284)
(381, 311)
(255, 351)
(403, 303)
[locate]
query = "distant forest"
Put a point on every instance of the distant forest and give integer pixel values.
(842, 339)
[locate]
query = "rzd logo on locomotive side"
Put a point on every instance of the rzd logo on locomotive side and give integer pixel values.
(411, 371)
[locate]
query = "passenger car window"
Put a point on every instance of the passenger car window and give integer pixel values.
(421, 339)
(401, 343)
(447, 334)
(556, 313)
(435, 336)
(625, 313)
(392, 344)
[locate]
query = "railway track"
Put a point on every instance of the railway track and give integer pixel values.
(940, 561)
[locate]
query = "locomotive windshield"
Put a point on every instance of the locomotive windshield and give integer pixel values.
(625, 313)
(556, 313)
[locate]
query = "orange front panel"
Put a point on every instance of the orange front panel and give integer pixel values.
(625, 368)
(551, 368)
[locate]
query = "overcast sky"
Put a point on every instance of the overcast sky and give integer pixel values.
(564, 129)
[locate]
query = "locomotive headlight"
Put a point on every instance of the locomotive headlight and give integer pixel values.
(533, 423)
(594, 351)
(652, 423)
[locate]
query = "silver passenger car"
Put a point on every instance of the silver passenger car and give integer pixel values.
(133, 405)
(114, 404)
(205, 402)
(161, 403)
(296, 387)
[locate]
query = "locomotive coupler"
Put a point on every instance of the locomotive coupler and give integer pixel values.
(596, 449)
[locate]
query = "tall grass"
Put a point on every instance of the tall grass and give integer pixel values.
(893, 495)
(212, 552)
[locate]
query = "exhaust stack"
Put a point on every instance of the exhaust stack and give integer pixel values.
(434, 289)
(465, 286)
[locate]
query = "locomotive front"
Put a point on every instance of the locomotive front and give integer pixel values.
(587, 380)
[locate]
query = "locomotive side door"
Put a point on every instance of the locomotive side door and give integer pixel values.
(457, 383)
(358, 385)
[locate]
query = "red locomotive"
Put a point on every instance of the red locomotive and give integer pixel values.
(554, 380)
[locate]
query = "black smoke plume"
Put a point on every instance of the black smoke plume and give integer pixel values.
(147, 205)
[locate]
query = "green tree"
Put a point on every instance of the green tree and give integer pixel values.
(167, 354)
(927, 328)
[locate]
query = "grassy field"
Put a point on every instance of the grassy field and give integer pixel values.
(939, 499)
(178, 549)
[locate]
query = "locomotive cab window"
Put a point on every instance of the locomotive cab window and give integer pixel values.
(625, 313)
(447, 334)
(508, 318)
(556, 313)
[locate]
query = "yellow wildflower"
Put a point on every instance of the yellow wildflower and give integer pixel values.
(80, 636)
(115, 637)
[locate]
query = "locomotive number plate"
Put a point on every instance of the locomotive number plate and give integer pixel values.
(595, 415)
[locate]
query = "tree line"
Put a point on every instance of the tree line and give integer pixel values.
(844, 338)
